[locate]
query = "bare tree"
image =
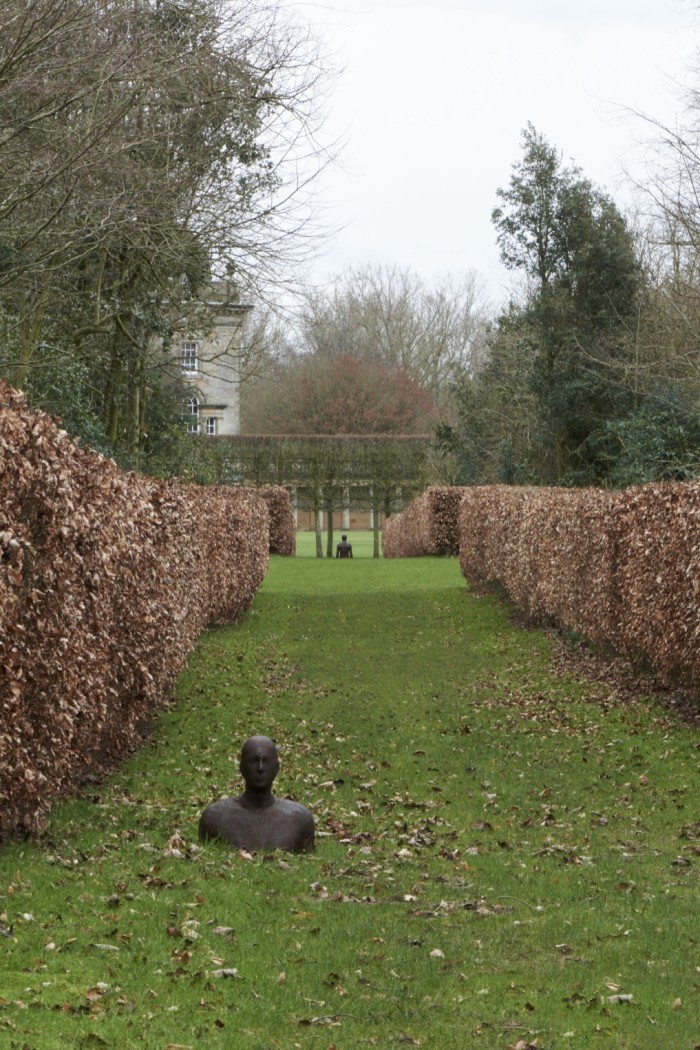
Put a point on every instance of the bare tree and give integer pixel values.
(391, 316)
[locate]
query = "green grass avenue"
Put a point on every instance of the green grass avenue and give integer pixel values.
(504, 855)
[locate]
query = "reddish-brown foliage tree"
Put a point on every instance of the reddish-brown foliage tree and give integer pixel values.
(342, 395)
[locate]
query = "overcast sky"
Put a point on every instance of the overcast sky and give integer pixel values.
(434, 95)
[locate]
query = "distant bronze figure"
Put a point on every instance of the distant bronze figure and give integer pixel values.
(257, 820)
(344, 549)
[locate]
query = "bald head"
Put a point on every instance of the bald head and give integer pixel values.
(259, 763)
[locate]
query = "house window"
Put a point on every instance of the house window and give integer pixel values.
(192, 413)
(212, 425)
(188, 357)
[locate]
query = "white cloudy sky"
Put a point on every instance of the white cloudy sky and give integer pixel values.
(434, 95)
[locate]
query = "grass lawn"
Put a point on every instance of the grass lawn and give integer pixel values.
(505, 858)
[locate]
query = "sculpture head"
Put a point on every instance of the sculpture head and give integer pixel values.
(259, 763)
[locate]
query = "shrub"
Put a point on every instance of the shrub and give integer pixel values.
(106, 581)
(428, 525)
(621, 568)
(283, 536)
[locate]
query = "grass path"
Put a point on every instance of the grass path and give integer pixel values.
(506, 858)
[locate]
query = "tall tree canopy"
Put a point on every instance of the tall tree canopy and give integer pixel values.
(554, 355)
(144, 145)
(568, 237)
(375, 351)
(391, 316)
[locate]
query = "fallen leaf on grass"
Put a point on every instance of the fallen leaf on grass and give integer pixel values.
(175, 847)
(188, 930)
(93, 995)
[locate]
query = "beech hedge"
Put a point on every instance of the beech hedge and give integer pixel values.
(428, 525)
(621, 568)
(106, 581)
(283, 534)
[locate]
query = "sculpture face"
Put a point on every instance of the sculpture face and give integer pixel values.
(259, 763)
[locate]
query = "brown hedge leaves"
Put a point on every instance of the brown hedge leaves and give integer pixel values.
(621, 568)
(283, 536)
(106, 581)
(428, 525)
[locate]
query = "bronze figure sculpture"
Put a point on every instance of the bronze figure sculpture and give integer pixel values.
(257, 820)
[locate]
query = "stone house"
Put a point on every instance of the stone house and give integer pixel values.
(209, 356)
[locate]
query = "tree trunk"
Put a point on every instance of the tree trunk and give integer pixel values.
(132, 424)
(30, 326)
(319, 527)
(375, 525)
(110, 414)
(329, 539)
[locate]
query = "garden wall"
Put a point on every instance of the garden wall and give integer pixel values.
(429, 524)
(621, 568)
(106, 581)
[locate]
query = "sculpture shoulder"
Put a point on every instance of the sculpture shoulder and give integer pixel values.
(223, 808)
(284, 825)
(298, 819)
(217, 815)
(294, 810)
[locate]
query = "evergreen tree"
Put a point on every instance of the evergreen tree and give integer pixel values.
(583, 291)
